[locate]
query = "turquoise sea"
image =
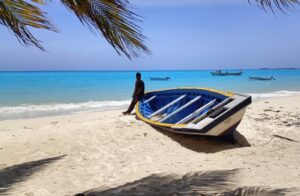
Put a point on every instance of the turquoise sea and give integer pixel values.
(30, 94)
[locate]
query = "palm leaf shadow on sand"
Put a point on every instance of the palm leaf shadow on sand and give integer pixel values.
(207, 144)
(17, 173)
(222, 183)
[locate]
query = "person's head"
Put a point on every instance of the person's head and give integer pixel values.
(138, 75)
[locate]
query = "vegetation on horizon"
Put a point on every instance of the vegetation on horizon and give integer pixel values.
(113, 19)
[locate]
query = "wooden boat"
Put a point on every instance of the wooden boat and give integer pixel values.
(220, 73)
(198, 111)
(261, 78)
(164, 78)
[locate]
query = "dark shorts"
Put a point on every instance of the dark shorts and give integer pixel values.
(139, 97)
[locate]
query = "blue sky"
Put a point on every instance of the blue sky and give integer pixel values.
(187, 34)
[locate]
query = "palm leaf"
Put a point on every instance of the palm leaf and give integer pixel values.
(194, 183)
(279, 4)
(114, 21)
(111, 18)
(18, 15)
(209, 183)
(261, 191)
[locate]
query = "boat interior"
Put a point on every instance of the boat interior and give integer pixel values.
(182, 107)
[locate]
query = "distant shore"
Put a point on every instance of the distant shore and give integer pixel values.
(280, 68)
(69, 154)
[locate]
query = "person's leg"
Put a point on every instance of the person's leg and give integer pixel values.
(131, 106)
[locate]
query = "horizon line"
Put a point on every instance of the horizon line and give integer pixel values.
(149, 70)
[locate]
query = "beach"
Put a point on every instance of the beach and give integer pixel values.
(215, 86)
(94, 152)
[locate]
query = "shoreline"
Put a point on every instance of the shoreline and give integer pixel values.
(28, 111)
(74, 153)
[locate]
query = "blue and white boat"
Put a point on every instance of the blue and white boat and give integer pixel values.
(199, 111)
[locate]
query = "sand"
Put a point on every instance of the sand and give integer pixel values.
(96, 152)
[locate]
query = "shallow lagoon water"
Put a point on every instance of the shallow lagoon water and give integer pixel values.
(28, 94)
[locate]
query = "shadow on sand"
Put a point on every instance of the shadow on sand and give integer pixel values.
(18, 173)
(221, 183)
(207, 144)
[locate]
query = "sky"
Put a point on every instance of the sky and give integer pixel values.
(182, 34)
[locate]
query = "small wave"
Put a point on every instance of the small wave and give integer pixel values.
(282, 93)
(32, 111)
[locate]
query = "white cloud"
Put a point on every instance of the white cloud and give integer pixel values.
(186, 2)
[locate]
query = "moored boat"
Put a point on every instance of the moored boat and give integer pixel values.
(156, 78)
(226, 73)
(261, 78)
(199, 111)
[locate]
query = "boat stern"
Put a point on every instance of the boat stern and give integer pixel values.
(220, 120)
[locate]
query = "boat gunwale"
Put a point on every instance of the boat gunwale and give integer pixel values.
(140, 116)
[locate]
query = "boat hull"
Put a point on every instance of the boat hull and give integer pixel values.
(226, 73)
(221, 118)
(261, 78)
(227, 127)
(164, 79)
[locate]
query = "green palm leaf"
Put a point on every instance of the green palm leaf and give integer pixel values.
(280, 4)
(111, 18)
(17, 15)
(114, 21)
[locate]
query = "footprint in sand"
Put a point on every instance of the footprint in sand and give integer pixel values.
(268, 110)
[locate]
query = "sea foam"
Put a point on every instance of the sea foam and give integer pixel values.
(282, 93)
(32, 111)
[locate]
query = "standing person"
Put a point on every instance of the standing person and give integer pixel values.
(137, 94)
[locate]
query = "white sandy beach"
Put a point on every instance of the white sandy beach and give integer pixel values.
(70, 154)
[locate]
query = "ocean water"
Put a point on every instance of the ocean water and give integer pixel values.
(31, 94)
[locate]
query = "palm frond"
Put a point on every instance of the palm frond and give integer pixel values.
(114, 20)
(42, 2)
(13, 175)
(282, 5)
(18, 15)
(261, 191)
(194, 183)
(209, 183)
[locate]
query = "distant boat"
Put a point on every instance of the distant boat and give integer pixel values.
(164, 78)
(195, 111)
(261, 78)
(226, 73)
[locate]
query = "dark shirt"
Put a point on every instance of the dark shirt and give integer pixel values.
(139, 89)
